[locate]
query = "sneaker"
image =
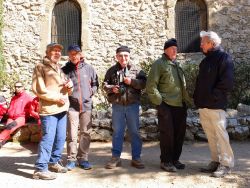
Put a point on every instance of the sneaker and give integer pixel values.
(47, 175)
(211, 167)
(57, 168)
(179, 165)
(221, 171)
(70, 165)
(114, 162)
(85, 165)
(169, 167)
(137, 164)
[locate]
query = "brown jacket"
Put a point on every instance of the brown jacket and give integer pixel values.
(47, 84)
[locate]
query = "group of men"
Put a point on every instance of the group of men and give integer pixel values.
(65, 98)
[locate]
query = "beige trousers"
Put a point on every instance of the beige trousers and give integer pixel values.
(74, 120)
(214, 124)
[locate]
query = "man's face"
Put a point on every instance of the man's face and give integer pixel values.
(206, 44)
(55, 54)
(19, 88)
(74, 56)
(123, 58)
(171, 52)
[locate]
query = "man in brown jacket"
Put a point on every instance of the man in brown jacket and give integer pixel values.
(52, 87)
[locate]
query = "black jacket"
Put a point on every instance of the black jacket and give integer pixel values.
(85, 82)
(214, 81)
(131, 93)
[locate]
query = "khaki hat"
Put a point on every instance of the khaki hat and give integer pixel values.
(53, 45)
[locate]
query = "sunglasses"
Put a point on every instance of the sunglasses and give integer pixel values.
(18, 86)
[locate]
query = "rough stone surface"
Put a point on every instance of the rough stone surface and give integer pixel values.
(143, 25)
(238, 128)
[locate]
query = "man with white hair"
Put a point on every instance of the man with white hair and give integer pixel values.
(214, 81)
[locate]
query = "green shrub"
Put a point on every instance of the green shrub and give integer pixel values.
(241, 91)
(190, 71)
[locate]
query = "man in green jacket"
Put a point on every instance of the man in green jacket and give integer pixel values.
(166, 89)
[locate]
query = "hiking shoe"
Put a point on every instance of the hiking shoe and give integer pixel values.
(47, 175)
(70, 165)
(85, 165)
(169, 167)
(57, 168)
(211, 167)
(221, 171)
(114, 162)
(137, 164)
(178, 165)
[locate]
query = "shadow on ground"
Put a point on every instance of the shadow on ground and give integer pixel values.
(18, 160)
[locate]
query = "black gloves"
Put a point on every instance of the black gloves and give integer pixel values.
(10, 125)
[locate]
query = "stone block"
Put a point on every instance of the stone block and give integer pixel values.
(240, 133)
(21, 135)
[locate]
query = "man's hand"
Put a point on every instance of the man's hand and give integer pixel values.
(68, 84)
(115, 89)
(127, 80)
(10, 125)
(60, 102)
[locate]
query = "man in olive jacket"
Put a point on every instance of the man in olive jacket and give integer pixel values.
(166, 89)
(123, 83)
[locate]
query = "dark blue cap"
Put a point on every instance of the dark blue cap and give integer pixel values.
(170, 42)
(74, 47)
(123, 49)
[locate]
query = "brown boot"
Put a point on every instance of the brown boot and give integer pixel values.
(114, 162)
(137, 164)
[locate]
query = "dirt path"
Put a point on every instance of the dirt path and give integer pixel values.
(17, 161)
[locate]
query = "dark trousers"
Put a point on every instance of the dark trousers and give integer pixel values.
(172, 126)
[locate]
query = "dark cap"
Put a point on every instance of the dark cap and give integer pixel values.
(74, 47)
(123, 49)
(53, 45)
(169, 43)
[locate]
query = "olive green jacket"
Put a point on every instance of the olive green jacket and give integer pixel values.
(166, 83)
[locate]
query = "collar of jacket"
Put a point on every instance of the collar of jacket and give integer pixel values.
(213, 51)
(47, 61)
(119, 67)
(169, 61)
(19, 94)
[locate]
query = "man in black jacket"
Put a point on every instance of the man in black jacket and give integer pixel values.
(123, 83)
(214, 81)
(85, 82)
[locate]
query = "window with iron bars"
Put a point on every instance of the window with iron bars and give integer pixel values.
(66, 24)
(190, 19)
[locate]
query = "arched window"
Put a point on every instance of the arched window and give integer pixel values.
(190, 19)
(66, 24)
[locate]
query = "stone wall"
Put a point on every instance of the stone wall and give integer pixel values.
(238, 126)
(143, 25)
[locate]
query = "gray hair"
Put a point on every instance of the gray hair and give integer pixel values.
(211, 36)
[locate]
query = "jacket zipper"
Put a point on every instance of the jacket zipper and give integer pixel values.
(79, 87)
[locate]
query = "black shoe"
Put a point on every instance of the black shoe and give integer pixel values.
(179, 165)
(221, 171)
(169, 167)
(211, 167)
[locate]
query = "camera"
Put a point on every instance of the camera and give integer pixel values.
(122, 86)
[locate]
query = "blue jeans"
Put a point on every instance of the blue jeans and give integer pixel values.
(53, 139)
(122, 116)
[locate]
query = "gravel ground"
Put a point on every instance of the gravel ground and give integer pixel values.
(17, 166)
